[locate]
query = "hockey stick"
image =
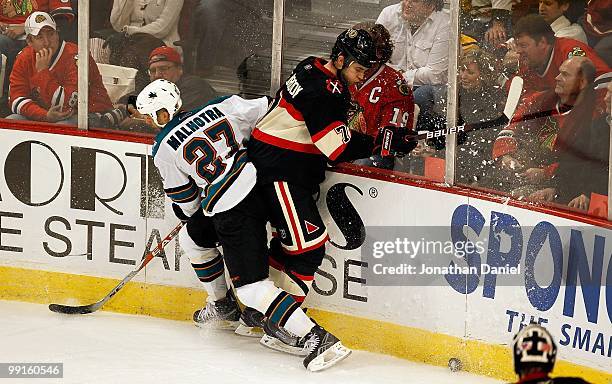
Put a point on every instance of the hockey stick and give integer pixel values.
(84, 309)
(514, 96)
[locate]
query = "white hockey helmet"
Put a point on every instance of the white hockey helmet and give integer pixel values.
(160, 94)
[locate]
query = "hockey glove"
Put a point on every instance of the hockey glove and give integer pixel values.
(395, 141)
(178, 211)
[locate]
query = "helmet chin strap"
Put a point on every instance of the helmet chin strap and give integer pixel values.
(349, 60)
(154, 117)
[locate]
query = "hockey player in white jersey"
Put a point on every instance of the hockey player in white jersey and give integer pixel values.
(201, 157)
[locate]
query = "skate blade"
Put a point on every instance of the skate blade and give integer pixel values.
(277, 345)
(221, 325)
(247, 331)
(330, 357)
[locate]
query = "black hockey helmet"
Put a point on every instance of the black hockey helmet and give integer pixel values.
(533, 346)
(357, 45)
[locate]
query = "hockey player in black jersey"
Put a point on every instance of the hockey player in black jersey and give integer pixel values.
(306, 129)
(201, 158)
(535, 352)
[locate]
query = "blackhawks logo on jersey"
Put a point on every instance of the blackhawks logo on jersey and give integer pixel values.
(576, 51)
(403, 88)
(12, 8)
(548, 133)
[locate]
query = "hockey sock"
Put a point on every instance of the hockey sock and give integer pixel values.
(212, 275)
(296, 285)
(278, 306)
(283, 277)
(208, 265)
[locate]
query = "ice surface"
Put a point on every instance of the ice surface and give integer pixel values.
(107, 347)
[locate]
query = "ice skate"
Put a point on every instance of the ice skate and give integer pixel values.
(324, 349)
(251, 323)
(279, 339)
(221, 314)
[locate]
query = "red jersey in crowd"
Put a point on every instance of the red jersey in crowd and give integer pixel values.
(563, 49)
(17, 11)
(598, 18)
(385, 99)
(32, 93)
(543, 129)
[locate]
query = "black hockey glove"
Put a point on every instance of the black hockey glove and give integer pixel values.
(395, 141)
(179, 213)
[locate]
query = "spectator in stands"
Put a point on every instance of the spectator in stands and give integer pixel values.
(553, 11)
(44, 80)
(481, 98)
(141, 26)
(420, 33)
(541, 54)
(557, 141)
(595, 180)
(383, 98)
(488, 20)
(158, 18)
(585, 170)
(12, 17)
(166, 63)
(598, 27)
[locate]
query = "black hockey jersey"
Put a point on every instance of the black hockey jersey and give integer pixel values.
(306, 127)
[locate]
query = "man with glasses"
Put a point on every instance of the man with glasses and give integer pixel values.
(166, 63)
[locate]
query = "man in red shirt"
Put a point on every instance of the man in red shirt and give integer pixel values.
(541, 54)
(384, 98)
(44, 80)
(12, 18)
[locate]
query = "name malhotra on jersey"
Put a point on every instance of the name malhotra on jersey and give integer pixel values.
(184, 130)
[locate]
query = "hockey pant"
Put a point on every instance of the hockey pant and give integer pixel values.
(242, 234)
(198, 240)
(299, 236)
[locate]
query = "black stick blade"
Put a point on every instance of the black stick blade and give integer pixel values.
(71, 310)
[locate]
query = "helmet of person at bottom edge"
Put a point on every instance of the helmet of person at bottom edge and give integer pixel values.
(534, 347)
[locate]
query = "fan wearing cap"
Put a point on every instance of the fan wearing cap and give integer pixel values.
(534, 353)
(12, 18)
(166, 63)
(44, 80)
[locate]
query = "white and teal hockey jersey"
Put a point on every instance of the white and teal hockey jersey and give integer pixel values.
(201, 154)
